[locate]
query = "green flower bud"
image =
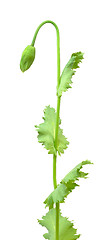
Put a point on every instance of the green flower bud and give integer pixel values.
(27, 58)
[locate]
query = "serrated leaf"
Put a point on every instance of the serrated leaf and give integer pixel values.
(68, 72)
(75, 173)
(57, 195)
(67, 184)
(46, 133)
(66, 228)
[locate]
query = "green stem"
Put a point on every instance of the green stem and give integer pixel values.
(57, 114)
(54, 171)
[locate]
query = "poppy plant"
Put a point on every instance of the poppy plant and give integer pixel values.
(51, 136)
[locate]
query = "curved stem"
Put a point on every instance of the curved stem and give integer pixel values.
(58, 45)
(57, 113)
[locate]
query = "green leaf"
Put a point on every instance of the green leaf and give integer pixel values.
(75, 173)
(66, 228)
(57, 195)
(46, 133)
(68, 72)
(67, 184)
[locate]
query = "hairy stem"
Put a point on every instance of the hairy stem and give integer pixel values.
(57, 114)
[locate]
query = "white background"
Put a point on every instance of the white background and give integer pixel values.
(25, 167)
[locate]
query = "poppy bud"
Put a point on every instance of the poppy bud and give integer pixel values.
(27, 58)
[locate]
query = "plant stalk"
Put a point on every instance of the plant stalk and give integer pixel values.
(57, 114)
(56, 133)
